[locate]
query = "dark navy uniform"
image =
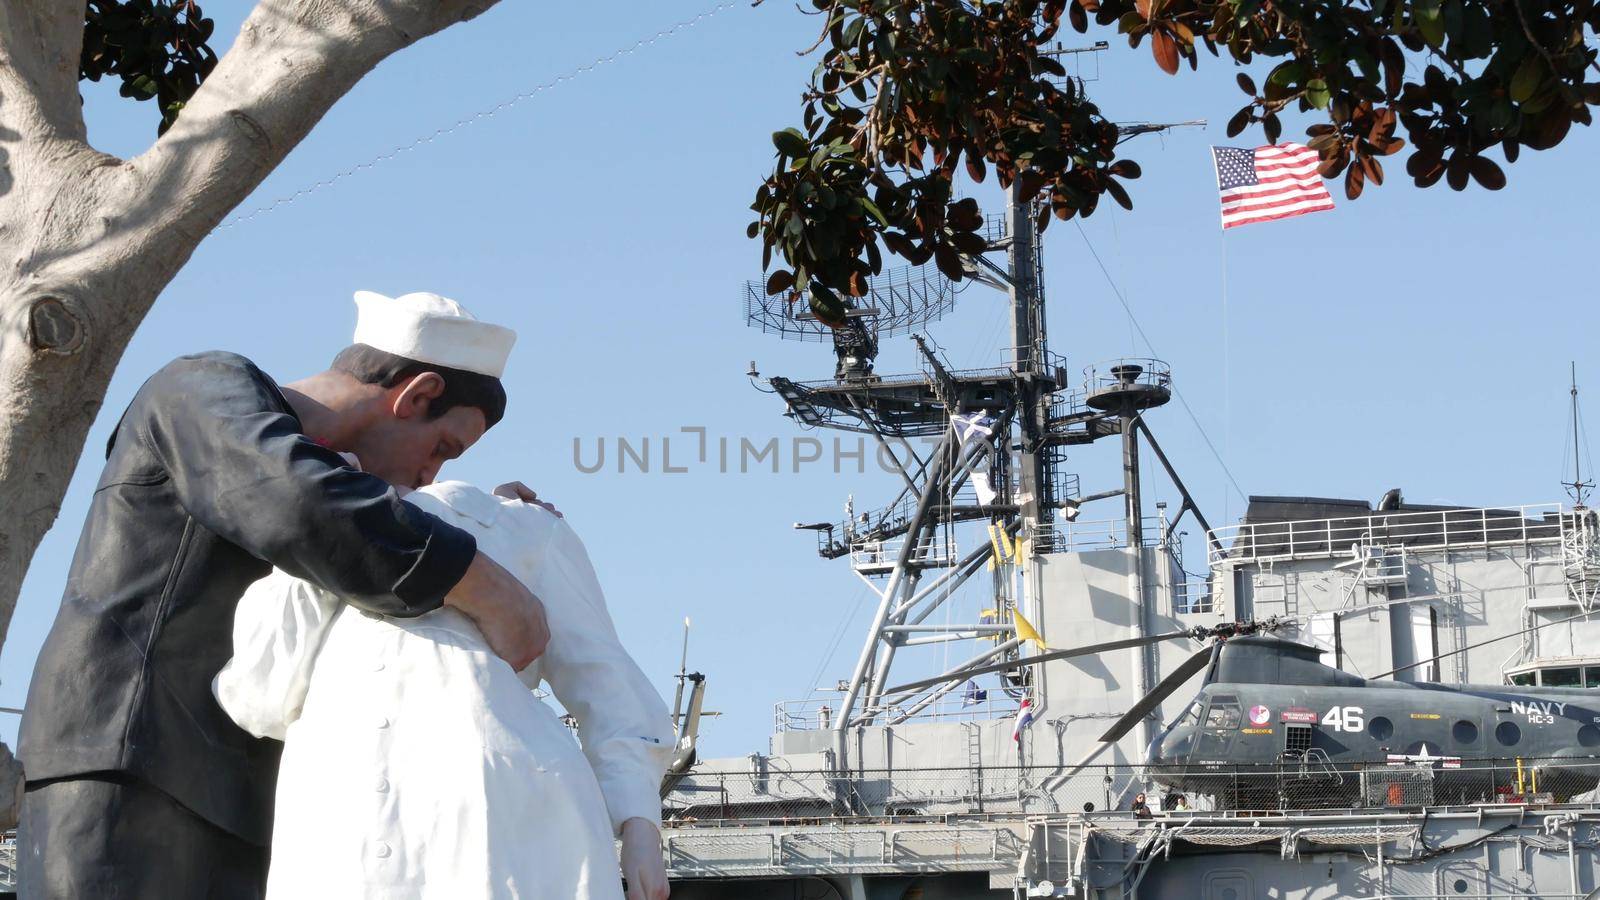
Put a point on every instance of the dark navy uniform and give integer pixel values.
(209, 483)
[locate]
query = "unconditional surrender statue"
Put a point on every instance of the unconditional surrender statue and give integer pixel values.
(139, 784)
(418, 766)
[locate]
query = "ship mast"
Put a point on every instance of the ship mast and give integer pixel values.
(975, 472)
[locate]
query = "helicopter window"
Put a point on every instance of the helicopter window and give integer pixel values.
(1191, 716)
(1465, 732)
(1507, 733)
(1523, 678)
(1591, 676)
(1589, 735)
(1224, 713)
(1380, 728)
(1563, 677)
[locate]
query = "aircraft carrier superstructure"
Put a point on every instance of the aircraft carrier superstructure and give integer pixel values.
(947, 765)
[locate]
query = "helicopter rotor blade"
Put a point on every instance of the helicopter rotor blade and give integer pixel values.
(1047, 656)
(1172, 682)
(1132, 717)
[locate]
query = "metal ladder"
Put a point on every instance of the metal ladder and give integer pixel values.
(975, 761)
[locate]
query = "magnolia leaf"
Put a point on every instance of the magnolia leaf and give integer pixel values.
(1239, 122)
(1125, 168)
(1430, 21)
(1485, 172)
(1373, 169)
(791, 143)
(968, 242)
(1119, 194)
(1272, 127)
(976, 169)
(1165, 50)
(1527, 79)
(779, 281)
(827, 306)
(873, 211)
(949, 262)
(1287, 75)
(1317, 93)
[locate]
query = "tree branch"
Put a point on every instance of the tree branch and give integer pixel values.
(292, 61)
(40, 113)
(39, 45)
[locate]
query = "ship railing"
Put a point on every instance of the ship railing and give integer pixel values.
(1067, 403)
(914, 379)
(1029, 360)
(773, 794)
(932, 549)
(1056, 536)
(1113, 373)
(1192, 598)
(1355, 537)
(974, 705)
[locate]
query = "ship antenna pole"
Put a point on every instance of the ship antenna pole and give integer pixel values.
(1578, 488)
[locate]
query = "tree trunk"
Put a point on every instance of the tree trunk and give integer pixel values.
(88, 241)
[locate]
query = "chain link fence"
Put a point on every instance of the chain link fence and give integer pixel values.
(773, 794)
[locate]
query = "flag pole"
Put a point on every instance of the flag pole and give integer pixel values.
(1227, 400)
(1227, 394)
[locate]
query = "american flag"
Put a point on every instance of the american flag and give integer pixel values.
(1024, 719)
(1272, 182)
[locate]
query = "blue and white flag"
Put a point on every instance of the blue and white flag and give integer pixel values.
(972, 426)
(974, 694)
(1024, 718)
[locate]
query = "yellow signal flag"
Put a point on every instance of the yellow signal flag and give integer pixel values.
(1005, 546)
(1026, 631)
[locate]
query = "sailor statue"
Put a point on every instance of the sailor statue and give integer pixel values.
(139, 785)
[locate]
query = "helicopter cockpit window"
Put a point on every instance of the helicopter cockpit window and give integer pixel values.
(1591, 676)
(1224, 713)
(1191, 716)
(1524, 678)
(1566, 676)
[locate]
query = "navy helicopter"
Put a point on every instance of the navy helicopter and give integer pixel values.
(1272, 725)
(1271, 719)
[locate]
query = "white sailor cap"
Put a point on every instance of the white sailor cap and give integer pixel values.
(432, 329)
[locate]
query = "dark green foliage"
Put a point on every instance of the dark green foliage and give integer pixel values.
(907, 92)
(159, 48)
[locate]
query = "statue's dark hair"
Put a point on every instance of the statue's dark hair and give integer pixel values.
(370, 365)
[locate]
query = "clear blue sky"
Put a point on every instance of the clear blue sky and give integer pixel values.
(1417, 339)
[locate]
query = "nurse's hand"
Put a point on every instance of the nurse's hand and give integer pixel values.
(509, 615)
(642, 866)
(516, 490)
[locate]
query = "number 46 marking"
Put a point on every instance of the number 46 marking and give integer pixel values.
(1345, 718)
